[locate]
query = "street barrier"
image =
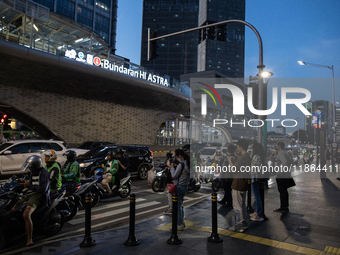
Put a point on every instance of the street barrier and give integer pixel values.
(132, 240)
(174, 237)
(214, 238)
(88, 241)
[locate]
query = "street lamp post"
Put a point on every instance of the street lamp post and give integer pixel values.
(332, 68)
(298, 118)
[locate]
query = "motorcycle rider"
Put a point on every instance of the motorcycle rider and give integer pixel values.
(123, 170)
(111, 170)
(53, 167)
(71, 173)
(38, 194)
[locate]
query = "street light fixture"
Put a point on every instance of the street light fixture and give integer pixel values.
(332, 68)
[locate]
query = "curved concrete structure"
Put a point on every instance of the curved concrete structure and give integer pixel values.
(60, 97)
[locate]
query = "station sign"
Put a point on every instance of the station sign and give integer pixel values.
(106, 64)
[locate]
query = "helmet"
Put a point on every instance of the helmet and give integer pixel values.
(52, 154)
(120, 152)
(34, 163)
(70, 155)
(112, 154)
(169, 154)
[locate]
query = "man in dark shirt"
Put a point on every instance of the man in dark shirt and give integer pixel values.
(38, 194)
(239, 186)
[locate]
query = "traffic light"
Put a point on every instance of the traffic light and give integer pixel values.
(153, 46)
(4, 119)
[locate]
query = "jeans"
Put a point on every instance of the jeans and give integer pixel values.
(181, 191)
(239, 205)
(256, 189)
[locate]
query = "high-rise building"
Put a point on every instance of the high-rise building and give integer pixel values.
(178, 54)
(220, 48)
(97, 15)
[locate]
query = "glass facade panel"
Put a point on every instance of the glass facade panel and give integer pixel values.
(85, 16)
(66, 8)
(102, 27)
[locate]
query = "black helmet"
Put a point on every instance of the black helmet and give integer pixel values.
(70, 155)
(112, 154)
(120, 152)
(34, 163)
(169, 154)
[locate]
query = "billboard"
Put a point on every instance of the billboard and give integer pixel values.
(316, 120)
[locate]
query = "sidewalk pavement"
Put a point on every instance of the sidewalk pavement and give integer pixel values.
(311, 227)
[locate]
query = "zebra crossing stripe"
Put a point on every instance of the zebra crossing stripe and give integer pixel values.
(112, 213)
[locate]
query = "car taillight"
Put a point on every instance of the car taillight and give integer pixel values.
(151, 156)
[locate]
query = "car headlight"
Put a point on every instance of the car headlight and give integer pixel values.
(85, 164)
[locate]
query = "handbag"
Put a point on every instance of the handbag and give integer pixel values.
(290, 182)
(171, 188)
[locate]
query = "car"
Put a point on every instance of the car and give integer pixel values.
(91, 145)
(140, 159)
(208, 152)
(14, 154)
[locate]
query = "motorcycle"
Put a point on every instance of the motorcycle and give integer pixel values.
(75, 197)
(100, 192)
(162, 178)
(47, 220)
(295, 160)
(307, 159)
(217, 181)
(194, 185)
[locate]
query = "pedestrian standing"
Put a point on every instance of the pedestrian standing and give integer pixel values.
(227, 178)
(283, 177)
(239, 186)
(257, 161)
(181, 176)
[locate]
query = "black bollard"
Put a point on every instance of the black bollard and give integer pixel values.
(88, 241)
(132, 240)
(214, 238)
(174, 237)
(262, 186)
(249, 207)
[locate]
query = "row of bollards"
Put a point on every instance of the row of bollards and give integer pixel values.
(174, 239)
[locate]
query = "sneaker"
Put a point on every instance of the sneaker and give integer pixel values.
(281, 210)
(245, 225)
(257, 218)
(169, 211)
(237, 228)
(179, 228)
(253, 214)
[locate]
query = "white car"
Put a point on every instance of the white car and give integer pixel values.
(14, 154)
(208, 152)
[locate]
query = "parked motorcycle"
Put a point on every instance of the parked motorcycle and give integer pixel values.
(47, 220)
(100, 192)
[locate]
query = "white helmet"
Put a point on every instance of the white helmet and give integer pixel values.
(52, 154)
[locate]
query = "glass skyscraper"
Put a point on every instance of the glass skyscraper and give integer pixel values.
(97, 15)
(220, 49)
(178, 54)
